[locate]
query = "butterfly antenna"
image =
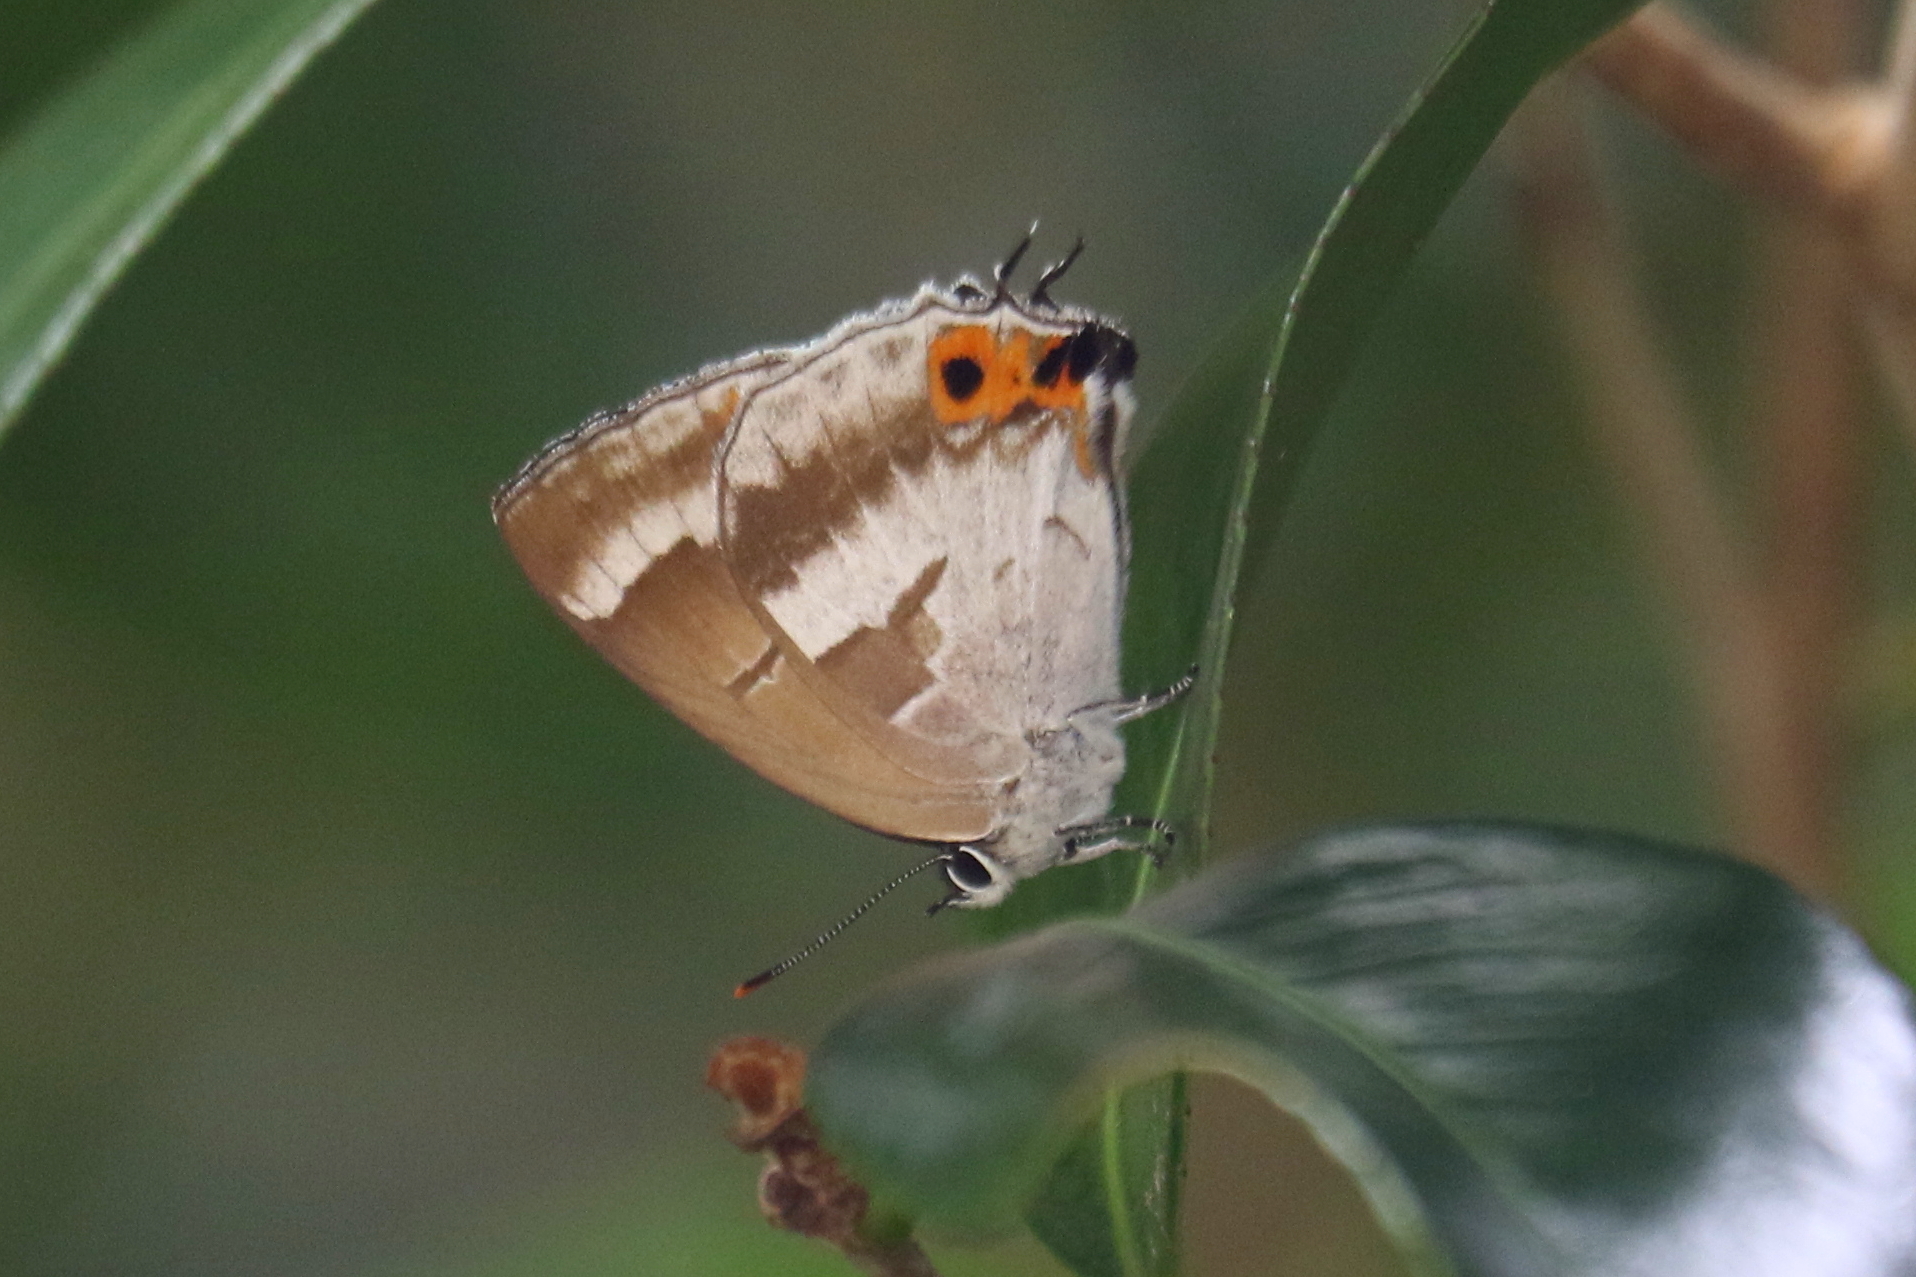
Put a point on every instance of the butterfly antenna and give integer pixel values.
(1041, 294)
(1011, 263)
(776, 970)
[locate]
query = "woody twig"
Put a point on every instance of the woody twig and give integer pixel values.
(1768, 619)
(803, 1188)
(1642, 433)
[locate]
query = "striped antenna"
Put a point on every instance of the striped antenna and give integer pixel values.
(778, 969)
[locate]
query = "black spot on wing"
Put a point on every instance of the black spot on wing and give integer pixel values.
(1102, 349)
(1052, 365)
(962, 377)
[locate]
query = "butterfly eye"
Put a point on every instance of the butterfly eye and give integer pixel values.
(962, 377)
(967, 872)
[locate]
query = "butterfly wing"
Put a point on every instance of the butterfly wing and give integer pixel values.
(947, 575)
(616, 525)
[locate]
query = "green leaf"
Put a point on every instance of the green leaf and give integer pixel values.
(1237, 438)
(1110, 1203)
(89, 180)
(1538, 1051)
(1206, 499)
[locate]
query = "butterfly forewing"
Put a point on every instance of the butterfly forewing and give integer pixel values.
(616, 525)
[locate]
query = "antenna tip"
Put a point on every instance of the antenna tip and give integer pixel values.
(758, 981)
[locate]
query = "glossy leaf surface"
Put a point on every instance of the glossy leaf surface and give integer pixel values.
(1538, 1051)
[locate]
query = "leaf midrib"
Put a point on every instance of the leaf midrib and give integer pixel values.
(1498, 1170)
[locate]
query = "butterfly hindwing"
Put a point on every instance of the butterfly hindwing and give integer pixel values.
(946, 569)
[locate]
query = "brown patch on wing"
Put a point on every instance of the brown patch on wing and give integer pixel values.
(814, 500)
(908, 616)
(613, 451)
(584, 487)
(765, 667)
(552, 524)
(1054, 521)
(1081, 446)
(780, 526)
(888, 665)
(684, 634)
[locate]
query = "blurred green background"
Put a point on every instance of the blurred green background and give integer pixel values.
(355, 918)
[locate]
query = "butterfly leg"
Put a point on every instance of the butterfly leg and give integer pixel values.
(1096, 837)
(1137, 707)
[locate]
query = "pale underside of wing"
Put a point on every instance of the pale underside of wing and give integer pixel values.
(617, 527)
(948, 588)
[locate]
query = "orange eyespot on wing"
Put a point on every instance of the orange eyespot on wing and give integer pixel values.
(959, 364)
(1054, 382)
(973, 374)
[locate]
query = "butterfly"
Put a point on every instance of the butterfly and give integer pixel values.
(885, 569)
